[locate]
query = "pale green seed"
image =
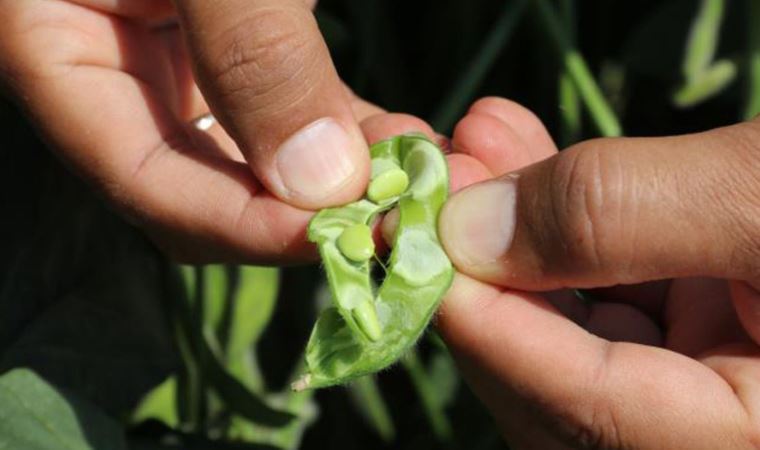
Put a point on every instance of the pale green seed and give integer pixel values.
(387, 185)
(366, 317)
(356, 244)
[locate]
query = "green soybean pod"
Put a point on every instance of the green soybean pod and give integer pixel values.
(364, 332)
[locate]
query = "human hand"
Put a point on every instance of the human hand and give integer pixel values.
(663, 364)
(110, 86)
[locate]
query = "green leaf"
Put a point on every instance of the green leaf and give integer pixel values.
(159, 404)
(241, 400)
(252, 308)
(235, 394)
(253, 305)
(81, 292)
(107, 339)
(35, 416)
(711, 82)
(288, 437)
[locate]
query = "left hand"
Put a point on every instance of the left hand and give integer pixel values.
(109, 85)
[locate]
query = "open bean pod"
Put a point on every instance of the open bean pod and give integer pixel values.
(363, 332)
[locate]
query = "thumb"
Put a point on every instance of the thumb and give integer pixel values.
(268, 77)
(615, 211)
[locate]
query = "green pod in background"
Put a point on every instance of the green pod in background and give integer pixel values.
(363, 333)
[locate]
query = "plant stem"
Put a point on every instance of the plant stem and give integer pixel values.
(467, 85)
(191, 383)
(577, 69)
(428, 395)
(370, 401)
(570, 110)
(752, 108)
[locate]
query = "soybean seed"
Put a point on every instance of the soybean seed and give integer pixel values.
(387, 185)
(356, 244)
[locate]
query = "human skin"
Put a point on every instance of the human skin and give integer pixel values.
(111, 85)
(116, 86)
(667, 364)
(664, 231)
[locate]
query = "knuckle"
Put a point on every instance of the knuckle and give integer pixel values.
(588, 202)
(741, 197)
(35, 39)
(595, 423)
(264, 58)
(597, 430)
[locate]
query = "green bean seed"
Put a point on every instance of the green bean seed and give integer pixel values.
(366, 316)
(387, 185)
(356, 244)
(364, 331)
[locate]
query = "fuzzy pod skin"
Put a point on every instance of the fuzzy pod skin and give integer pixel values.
(362, 332)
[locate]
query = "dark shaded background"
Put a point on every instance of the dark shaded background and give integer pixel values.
(403, 55)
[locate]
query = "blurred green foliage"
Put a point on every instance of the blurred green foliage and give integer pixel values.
(130, 350)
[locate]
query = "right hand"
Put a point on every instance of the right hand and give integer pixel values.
(112, 87)
(667, 231)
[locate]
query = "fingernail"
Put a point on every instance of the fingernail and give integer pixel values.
(316, 161)
(478, 223)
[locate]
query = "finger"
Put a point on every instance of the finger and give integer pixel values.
(206, 127)
(746, 300)
(699, 317)
(143, 9)
(618, 322)
(522, 120)
(492, 142)
(191, 104)
(570, 305)
(615, 211)
(109, 116)
(464, 170)
(648, 297)
(383, 126)
(503, 135)
(362, 109)
(267, 75)
(523, 358)
(208, 124)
